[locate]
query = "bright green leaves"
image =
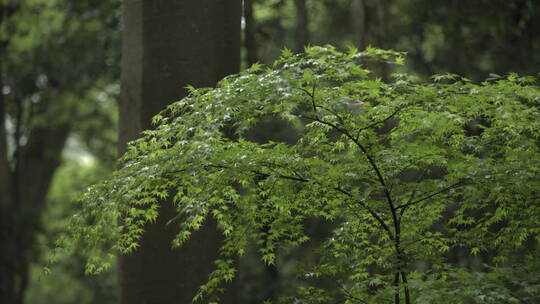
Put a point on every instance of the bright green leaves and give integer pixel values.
(438, 164)
(286, 53)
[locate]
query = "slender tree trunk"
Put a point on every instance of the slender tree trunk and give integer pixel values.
(368, 19)
(302, 23)
(396, 288)
(406, 287)
(168, 44)
(401, 265)
(358, 20)
(250, 30)
(7, 253)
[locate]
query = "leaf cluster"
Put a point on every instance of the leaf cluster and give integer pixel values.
(406, 171)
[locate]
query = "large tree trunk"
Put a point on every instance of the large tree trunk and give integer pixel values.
(168, 44)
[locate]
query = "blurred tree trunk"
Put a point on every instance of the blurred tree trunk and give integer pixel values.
(369, 22)
(302, 25)
(24, 180)
(250, 30)
(168, 44)
(8, 293)
(24, 187)
(8, 273)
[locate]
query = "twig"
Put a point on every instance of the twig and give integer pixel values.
(455, 185)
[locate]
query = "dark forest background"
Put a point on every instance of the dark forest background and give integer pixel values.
(60, 82)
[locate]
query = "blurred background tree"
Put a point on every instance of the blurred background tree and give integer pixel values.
(59, 75)
(59, 71)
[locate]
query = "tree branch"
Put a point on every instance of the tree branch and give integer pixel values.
(380, 121)
(371, 161)
(372, 212)
(455, 185)
(351, 297)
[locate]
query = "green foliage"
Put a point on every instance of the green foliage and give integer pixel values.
(516, 284)
(73, 176)
(59, 64)
(406, 171)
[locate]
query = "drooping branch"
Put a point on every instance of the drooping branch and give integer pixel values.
(393, 210)
(370, 210)
(370, 159)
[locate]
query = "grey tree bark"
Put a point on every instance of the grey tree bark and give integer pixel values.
(168, 44)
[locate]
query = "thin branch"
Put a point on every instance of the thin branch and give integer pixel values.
(351, 297)
(305, 91)
(396, 288)
(402, 171)
(413, 193)
(295, 178)
(312, 97)
(409, 165)
(357, 143)
(380, 121)
(315, 105)
(377, 217)
(371, 161)
(455, 185)
(364, 150)
(341, 120)
(374, 214)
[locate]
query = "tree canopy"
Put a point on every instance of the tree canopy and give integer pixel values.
(405, 171)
